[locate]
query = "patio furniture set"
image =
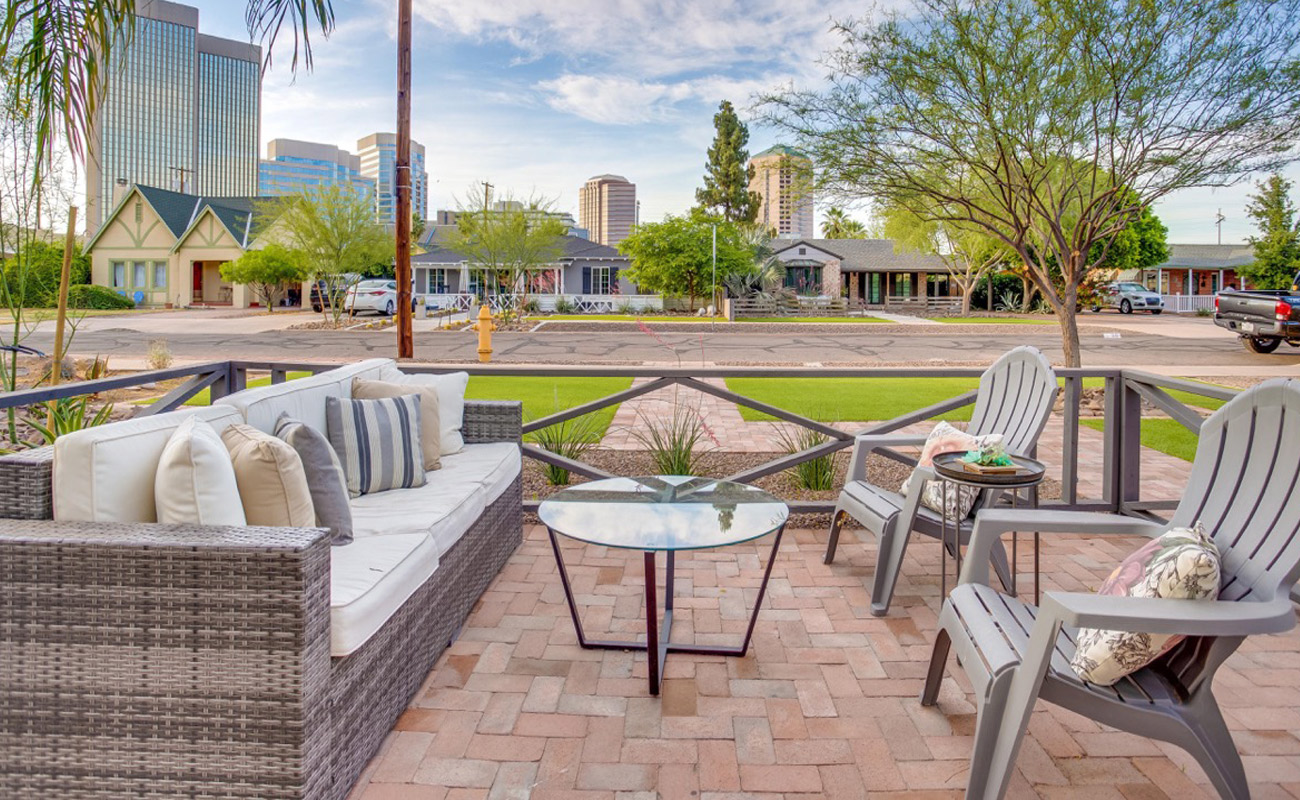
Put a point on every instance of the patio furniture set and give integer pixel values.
(144, 658)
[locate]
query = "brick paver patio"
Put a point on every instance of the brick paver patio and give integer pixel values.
(824, 705)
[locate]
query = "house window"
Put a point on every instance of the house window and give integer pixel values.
(806, 280)
(803, 251)
(437, 281)
(160, 274)
(139, 275)
(119, 274)
(601, 280)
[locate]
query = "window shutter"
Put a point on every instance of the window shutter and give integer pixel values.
(613, 281)
(586, 280)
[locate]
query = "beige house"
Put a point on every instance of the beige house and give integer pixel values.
(164, 248)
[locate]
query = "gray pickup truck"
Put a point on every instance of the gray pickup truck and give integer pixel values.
(1263, 319)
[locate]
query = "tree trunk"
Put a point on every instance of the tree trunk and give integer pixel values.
(1070, 336)
(965, 301)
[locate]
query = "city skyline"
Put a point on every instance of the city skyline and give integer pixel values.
(535, 98)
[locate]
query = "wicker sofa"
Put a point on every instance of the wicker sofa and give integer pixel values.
(145, 660)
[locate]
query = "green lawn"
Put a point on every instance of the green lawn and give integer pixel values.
(544, 396)
(851, 399)
(204, 398)
(818, 320)
(993, 321)
(1165, 435)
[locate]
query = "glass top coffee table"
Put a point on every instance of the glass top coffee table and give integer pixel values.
(668, 513)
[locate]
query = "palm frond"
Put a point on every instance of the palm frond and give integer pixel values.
(266, 18)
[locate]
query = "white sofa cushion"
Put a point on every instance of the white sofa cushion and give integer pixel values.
(107, 473)
(451, 401)
(304, 398)
(195, 483)
(447, 505)
(370, 580)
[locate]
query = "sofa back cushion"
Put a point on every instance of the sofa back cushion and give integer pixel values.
(107, 473)
(304, 398)
(272, 483)
(196, 482)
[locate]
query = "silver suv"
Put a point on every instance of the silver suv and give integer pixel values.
(1128, 297)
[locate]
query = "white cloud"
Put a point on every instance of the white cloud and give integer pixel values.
(616, 100)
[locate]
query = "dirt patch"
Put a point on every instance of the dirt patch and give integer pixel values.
(945, 330)
(717, 464)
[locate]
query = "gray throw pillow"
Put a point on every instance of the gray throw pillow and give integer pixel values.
(325, 478)
(377, 441)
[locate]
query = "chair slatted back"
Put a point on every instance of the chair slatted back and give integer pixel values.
(1015, 399)
(1245, 489)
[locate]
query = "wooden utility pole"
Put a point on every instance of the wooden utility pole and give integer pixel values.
(487, 195)
(65, 277)
(405, 338)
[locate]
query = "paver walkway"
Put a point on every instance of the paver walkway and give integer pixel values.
(823, 706)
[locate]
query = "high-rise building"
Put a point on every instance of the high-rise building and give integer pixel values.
(378, 154)
(607, 208)
(783, 178)
(292, 167)
(180, 110)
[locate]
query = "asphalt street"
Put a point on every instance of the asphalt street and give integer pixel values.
(1168, 344)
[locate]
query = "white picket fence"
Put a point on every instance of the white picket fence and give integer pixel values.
(1187, 303)
(578, 303)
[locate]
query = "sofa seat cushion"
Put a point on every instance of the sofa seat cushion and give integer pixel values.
(450, 501)
(107, 473)
(303, 398)
(370, 580)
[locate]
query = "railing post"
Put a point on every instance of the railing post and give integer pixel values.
(1070, 440)
(222, 386)
(1123, 475)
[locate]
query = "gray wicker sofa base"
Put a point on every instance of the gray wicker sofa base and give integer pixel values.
(146, 660)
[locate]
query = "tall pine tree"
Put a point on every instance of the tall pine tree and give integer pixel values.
(1277, 248)
(728, 172)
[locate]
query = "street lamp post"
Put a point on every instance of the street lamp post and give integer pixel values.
(713, 294)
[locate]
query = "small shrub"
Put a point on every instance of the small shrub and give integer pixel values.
(160, 355)
(97, 297)
(65, 415)
(626, 308)
(532, 306)
(672, 443)
(97, 368)
(563, 306)
(1009, 301)
(817, 474)
(1204, 312)
(569, 439)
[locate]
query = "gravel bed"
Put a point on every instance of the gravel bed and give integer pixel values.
(718, 464)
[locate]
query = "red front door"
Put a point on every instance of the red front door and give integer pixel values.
(197, 295)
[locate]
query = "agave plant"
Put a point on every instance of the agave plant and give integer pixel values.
(65, 415)
(673, 442)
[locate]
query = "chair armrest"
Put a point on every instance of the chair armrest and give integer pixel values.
(493, 421)
(1164, 616)
(991, 524)
(26, 484)
(864, 444)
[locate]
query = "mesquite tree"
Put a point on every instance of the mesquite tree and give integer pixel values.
(1051, 124)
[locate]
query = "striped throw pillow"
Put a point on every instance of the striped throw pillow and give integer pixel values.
(377, 441)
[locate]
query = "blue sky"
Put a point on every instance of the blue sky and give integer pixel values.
(536, 96)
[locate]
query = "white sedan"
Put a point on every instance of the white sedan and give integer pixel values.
(374, 294)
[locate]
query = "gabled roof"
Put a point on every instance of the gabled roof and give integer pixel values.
(179, 212)
(872, 255)
(574, 248)
(1208, 256)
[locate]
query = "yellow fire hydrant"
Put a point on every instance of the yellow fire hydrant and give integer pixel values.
(485, 328)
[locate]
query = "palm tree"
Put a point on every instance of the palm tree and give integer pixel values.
(839, 225)
(53, 55)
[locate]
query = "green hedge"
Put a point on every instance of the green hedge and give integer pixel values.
(97, 297)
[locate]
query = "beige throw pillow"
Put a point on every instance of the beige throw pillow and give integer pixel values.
(430, 424)
(271, 479)
(195, 483)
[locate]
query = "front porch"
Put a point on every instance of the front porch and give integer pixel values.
(916, 291)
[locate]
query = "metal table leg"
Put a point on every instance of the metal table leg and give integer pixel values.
(658, 644)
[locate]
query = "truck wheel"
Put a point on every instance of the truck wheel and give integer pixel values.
(1096, 309)
(1125, 307)
(1156, 310)
(1260, 344)
(317, 307)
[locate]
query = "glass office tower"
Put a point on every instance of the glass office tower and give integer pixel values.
(378, 154)
(181, 111)
(292, 167)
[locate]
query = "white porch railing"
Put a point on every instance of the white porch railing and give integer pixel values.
(1188, 303)
(577, 303)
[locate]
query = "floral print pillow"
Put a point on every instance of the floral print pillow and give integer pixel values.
(1181, 564)
(945, 438)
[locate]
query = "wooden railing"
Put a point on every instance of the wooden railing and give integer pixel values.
(1125, 390)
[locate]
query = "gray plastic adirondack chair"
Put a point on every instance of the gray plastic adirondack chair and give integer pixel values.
(1245, 489)
(1015, 399)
